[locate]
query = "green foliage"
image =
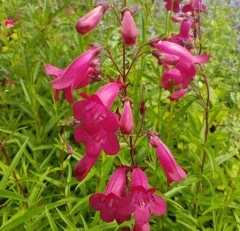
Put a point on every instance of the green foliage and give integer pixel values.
(34, 132)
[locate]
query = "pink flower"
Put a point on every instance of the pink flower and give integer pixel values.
(142, 201)
(76, 75)
(99, 124)
(9, 23)
(126, 123)
(181, 52)
(107, 203)
(179, 94)
(187, 60)
(84, 166)
(175, 7)
(129, 29)
(184, 38)
(89, 21)
(173, 171)
(194, 6)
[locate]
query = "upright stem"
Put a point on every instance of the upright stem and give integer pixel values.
(4, 151)
(205, 142)
(132, 151)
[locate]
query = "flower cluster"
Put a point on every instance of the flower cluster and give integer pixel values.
(99, 129)
(176, 50)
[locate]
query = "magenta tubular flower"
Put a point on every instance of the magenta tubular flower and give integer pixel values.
(194, 6)
(183, 54)
(126, 123)
(187, 60)
(107, 203)
(84, 166)
(99, 124)
(175, 8)
(171, 75)
(173, 171)
(184, 38)
(91, 19)
(75, 76)
(142, 201)
(179, 94)
(129, 29)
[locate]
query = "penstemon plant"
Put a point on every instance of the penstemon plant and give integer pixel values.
(100, 129)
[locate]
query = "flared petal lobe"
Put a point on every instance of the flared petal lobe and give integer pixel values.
(108, 93)
(129, 29)
(179, 94)
(88, 22)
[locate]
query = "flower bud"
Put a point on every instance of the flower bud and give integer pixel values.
(164, 58)
(126, 123)
(129, 29)
(142, 109)
(91, 19)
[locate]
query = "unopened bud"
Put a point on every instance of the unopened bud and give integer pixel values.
(142, 108)
(69, 149)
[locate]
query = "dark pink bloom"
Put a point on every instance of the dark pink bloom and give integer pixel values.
(184, 55)
(9, 23)
(142, 201)
(89, 21)
(84, 166)
(126, 123)
(183, 38)
(179, 94)
(173, 6)
(99, 124)
(107, 203)
(187, 60)
(194, 6)
(76, 75)
(129, 29)
(7, 81)
(173, 171)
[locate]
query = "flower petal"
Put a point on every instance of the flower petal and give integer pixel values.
(93, 148)
(111, 145)
(142, 215)
(158, 207)
(80, 134)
